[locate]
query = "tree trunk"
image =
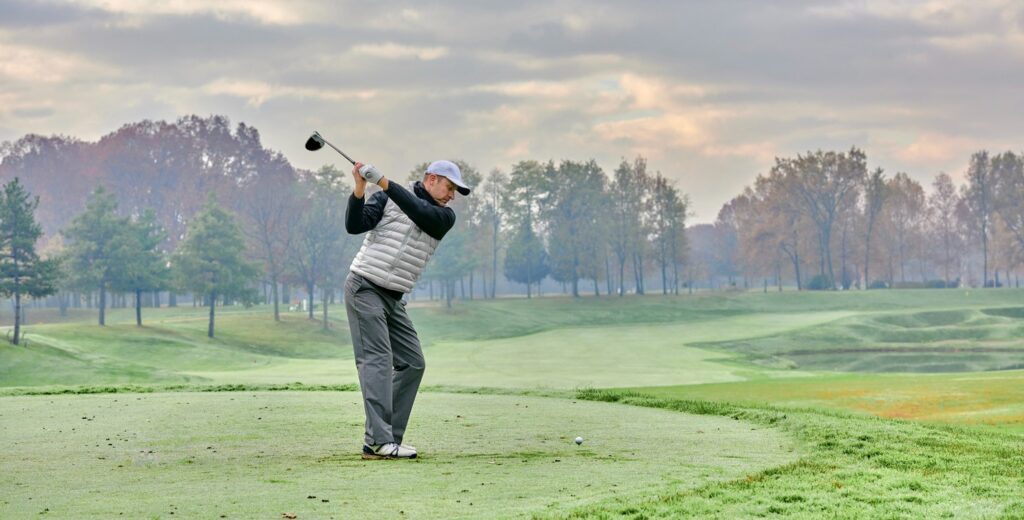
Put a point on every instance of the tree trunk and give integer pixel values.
(638, 272)
(494, 259)
(277, 305)
(828, 259)
(608, 274)
(575, 276)
(213, 304)
(945, 264)
(172, 299)
(17, 317)
(665, 276)
(138, 307)
(309, 296)
(103, 304)
(323, 301)
(984, 254)
(622, 275)
(796, 268)
(845, 283)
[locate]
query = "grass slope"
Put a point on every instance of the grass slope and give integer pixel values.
(960, 340)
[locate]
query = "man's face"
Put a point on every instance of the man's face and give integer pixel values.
(442, 189)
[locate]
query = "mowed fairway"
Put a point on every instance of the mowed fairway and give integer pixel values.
(609, 356)
(262, 454)
(985, 398)
(249, 350)
(721, 405)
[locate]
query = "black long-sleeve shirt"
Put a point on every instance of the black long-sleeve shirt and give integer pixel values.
(434, 219)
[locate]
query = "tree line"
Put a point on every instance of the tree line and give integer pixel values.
(824, 220)
(538, 221)
(141, 213)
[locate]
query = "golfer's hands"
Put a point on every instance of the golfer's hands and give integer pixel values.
(370, 173)
(359, 189)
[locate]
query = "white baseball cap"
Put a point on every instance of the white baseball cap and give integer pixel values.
(449, 170)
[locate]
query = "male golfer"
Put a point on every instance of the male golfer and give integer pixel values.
(405, 228)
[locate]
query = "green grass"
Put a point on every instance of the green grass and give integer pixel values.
(253, 349)
(258, 455)
(961, 340)
(806, 418)
(987, 398)
(856, 468)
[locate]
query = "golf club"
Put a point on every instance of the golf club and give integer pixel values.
(316, 142)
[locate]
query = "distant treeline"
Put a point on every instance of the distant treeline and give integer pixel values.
(824, 221)
(816, 221)
(568, 222)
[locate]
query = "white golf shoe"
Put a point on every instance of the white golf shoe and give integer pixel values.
(390, 450)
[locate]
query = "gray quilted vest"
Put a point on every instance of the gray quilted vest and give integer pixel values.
(395, 252)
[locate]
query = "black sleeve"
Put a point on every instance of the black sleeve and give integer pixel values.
(361, 216)
(434, 220)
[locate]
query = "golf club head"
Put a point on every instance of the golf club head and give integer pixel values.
(315, 142)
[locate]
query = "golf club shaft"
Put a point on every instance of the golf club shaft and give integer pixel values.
(339, 151)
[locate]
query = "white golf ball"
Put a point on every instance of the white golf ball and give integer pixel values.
(579, 440)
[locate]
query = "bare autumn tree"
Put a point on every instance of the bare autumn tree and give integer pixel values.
(320, 231)
(942, 205)
(642, 194)
(271, 213)
(847, 224)
(758, 246)
(773, 223)
(874, 199)
(1009, 189)
(668, 209)
(977, 195)
(58, 169)
(627, 230)
(824, 182)
(493, 193)
(905, 211)
(726, 242)
(701, 254)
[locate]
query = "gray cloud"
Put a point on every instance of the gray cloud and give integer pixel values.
(709, 90)
(37, 13)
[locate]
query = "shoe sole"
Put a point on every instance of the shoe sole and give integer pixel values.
(372, 456)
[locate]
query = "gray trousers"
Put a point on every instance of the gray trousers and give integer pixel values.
(388, 358)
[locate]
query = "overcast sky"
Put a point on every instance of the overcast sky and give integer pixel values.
(709, 91)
